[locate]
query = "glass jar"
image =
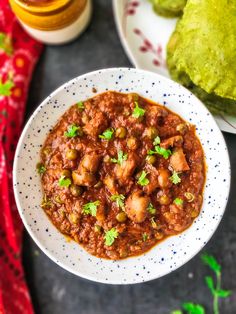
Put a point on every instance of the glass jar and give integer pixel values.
(53, 21)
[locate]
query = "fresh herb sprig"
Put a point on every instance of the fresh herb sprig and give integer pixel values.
(107, 134)
(138, 111)
(73, 131)
(121, 157)
(119, 199)
(175, 178)
(80, 105)
(165, 153)
(215, 288)
(110, 236)
(40, 168)
(143, 180)
(64, 182)
(90, 208)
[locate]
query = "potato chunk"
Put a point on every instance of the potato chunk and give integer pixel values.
(172, 141)
(90, 162)
(136, 206)
(126, 169)
(96, 125)
(178, 161)
(83, 178)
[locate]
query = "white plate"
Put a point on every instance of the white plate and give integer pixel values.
(144, 36)
(172, 252)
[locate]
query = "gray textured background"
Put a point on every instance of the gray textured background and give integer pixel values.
(56, 291)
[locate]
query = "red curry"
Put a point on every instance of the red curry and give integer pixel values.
(121, 173)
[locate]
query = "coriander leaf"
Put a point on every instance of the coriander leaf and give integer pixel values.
(223, 293)
(145, 237)
(40, 168)
(178, 201)
(142, 179)
(165, 153)
(210, 261)
(151, 209)
(107, 134)
(110, 236)
(177, 312)
(80, 105)
(192, 308)
(210, 284)
(64, 182)
(90, 208)
(119, 199)
(156, 141)
(175, 178)
(121, 157)
(5, 88)
(138, 111)
(73, 131)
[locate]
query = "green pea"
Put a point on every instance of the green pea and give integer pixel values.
(151, 159)
(74, 218)
(151, 132)
(66, 173)
(72, 154)
(97, 228)
(121, 217)
(164, 200)
(121, 132)
(76, 190)
(132, 143)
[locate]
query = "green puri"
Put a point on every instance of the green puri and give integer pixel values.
(201, 53)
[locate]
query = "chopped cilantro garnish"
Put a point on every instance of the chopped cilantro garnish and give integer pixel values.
(91, 208)
(107, 134)
(151, 209)
(110, 236)
(145, 237)
(64, 182)
(119, 199)
(156, 141)
(80, 105)
(40, 168)
(138, 111)
(73, 131)
(142, 179)
(121, 157)
(178, 201)
(165, 153)
(175, 178)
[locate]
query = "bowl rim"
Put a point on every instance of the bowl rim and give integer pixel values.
(17, 198)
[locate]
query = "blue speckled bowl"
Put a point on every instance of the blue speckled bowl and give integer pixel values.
(172, 252)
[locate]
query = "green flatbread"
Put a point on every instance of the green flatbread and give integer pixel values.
(168, 8)
(201, 53)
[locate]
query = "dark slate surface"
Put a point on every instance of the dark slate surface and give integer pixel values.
(53, 289)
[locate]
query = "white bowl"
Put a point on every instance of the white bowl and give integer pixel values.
(172, 252)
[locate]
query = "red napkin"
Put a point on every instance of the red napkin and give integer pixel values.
(18, 55)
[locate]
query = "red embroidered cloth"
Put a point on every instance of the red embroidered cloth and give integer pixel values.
(18, 55)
